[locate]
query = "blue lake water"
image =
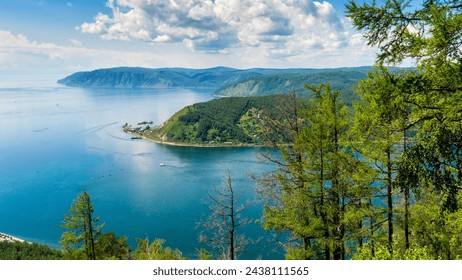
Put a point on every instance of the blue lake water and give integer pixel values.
(56, 142)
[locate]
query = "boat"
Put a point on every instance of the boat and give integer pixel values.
(162, 164)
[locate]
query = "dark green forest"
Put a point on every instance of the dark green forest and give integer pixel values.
(27, 251)
(377, 178)
(233, 120)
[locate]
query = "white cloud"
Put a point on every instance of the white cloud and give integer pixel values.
(286, 27)
(18, 53)
(20, 44)
(75, 42)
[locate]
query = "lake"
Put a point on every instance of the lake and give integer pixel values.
(57, 142)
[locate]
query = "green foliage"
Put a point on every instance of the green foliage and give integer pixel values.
(419, 112)
(320, 186)
(155, 251)
(435, 162)
(28, 251)
(437, 229)
(381, 252)
(110, 247)
(79, 241)
(225, 120)
(203, 254)
(382, 128)
(430, 33)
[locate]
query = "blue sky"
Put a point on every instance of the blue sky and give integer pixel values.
(59, 36)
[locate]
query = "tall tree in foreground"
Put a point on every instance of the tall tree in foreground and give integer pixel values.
(319, 189)
(429, 34)
(82, 229)
(381, 125)
(288, 206)
(221, 227)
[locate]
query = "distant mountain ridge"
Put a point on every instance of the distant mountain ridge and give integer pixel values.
(275, 83)
(227, 81)
(137, 77)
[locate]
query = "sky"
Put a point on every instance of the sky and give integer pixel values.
(65, 36)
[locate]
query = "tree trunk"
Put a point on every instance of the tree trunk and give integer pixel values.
(389, 201)
(232, 216)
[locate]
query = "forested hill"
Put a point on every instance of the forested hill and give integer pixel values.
(225, 121)
(228, 81)
(136, 77)
(343, 79)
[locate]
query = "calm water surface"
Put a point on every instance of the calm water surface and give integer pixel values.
(56, 142)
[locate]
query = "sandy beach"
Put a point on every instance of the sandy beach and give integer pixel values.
(9, 238)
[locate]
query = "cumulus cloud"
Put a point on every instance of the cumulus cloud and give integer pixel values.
(279, 27)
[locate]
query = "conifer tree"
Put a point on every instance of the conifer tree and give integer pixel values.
(316, 192)
(429, 34)
(82, 229)
(220, 229)
(382, 124)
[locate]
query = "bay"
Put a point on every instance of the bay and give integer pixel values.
(57, 142)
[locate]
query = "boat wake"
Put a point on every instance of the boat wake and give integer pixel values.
(96, 128)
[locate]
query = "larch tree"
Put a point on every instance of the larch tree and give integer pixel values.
(315, 191)
(82, 229)
(220, 229)
(430, 35)
(382, 124)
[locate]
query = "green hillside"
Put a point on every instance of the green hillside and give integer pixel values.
(225, 121)
(340, 79)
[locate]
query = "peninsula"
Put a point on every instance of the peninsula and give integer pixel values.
(232, 121)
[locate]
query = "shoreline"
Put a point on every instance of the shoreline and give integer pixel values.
(179, 144)
(9, 238)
